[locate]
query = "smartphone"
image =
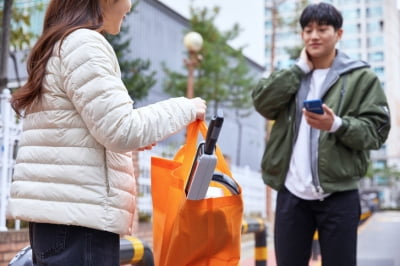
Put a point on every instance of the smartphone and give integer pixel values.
(213, 132)
(314, 106)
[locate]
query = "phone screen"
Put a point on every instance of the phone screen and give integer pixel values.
(314, 106)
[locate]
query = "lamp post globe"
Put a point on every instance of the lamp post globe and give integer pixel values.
(193, 41)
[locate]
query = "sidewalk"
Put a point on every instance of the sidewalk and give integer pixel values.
(271, 260)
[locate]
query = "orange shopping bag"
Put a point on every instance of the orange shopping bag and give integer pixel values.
(193, 232)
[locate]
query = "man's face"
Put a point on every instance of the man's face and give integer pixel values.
(320, 40)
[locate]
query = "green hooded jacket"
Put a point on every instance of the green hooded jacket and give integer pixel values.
(339, 159)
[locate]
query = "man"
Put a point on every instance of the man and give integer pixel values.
(316, 160)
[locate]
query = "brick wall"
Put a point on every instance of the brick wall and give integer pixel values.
(10, 243)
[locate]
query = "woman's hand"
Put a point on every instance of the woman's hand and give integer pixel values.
(149, 147)
(201, 107)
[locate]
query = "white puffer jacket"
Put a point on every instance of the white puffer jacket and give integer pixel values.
(74, 162)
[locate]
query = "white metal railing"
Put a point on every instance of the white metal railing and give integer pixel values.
(10, 131)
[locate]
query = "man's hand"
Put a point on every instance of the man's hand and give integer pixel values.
(305, 58)
(322, 122)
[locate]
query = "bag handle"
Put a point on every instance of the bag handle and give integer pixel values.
(190, 148)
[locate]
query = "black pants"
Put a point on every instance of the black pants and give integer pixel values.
(63, 245)
(336, 218)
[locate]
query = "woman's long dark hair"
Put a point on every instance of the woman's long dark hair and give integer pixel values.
(62, 17)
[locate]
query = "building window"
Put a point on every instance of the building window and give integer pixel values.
(268, 15)
(355, 55)
(345, 2)
(351, 44)
(373, 27)
(375, 57)
(375, 42)
(380, 72)
(374, 12)
(379, 164)
(351, 13)
(352, 28)
(267, 52)
(268, 38)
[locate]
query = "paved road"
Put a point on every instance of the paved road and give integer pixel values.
(378, 243)
(378, 240)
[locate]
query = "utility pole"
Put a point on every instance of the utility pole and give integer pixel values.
(5, 97)
(193, 42)
(4, 45)
(273, 6)
(5, 152)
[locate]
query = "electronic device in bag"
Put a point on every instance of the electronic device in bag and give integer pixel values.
(227, 182)
(203, 166)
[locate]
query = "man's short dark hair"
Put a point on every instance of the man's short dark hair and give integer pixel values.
(322, 14)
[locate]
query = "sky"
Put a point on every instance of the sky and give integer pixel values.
(250, 18)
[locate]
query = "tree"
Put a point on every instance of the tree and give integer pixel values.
(16, 36)
(384, 172)
(276, 22)
(293, 24)
(223, 74)
(5, 37)
(21, 35)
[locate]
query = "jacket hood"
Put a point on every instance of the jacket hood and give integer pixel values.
(343, 63)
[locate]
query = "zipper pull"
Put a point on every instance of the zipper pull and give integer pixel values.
(320, 192)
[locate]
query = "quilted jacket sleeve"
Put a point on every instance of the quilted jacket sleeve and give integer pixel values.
(92, 81)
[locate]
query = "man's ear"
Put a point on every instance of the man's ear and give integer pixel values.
(301, 34)
(339, 34)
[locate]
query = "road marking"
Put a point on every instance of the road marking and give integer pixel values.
(364, 224)
(387, 219)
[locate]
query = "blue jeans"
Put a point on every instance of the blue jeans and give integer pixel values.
(66, 245)
(336, 218)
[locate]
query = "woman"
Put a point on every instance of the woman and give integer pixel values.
(73, 179)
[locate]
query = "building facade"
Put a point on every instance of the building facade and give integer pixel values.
(371, 33)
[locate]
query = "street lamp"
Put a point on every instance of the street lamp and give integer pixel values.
(193, 43)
